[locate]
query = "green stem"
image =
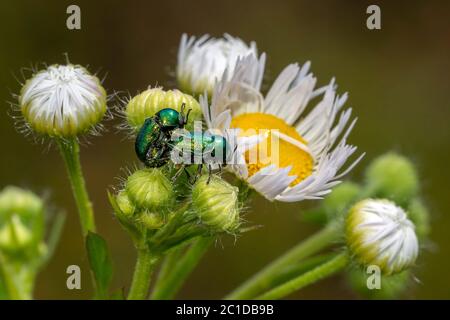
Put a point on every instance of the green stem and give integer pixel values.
(262, 280)
(142, 273)
(170, 261)
(328, 268)
(17, 280)
(70, 151)
(172, 283)
(301, 267)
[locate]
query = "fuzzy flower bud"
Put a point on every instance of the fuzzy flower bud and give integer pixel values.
(21, 219)
(379, 233)
(149, 189)
(341, 198)
(394, 177)
(151, 220)
(127, 208)
(62, 101)
(203, 61)
(149, 102)
(216, 203)
(419, 214)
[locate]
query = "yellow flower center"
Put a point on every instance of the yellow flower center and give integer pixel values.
(283, 147)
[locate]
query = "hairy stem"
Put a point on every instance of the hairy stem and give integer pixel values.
(324, 270)
(262, 280)
(142, 274)
(70, 151)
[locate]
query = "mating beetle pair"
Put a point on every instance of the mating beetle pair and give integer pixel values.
(155, 143)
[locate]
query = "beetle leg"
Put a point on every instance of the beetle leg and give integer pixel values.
(187, 117)
(178, 173)
(198, 174)
(187, 173)
(184, 118)
(209, 174)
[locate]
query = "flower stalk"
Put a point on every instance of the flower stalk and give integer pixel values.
(140, 284)
(171, 283)
(326, 269)
(70, 151)
(261, 280)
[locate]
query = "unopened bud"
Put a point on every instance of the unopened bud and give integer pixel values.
(216, 203)
(149, 102)
(149, 189)
(394, 177)
(62, 101)
(379, 233)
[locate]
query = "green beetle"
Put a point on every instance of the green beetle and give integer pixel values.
(201, 149)
(152, 142)
(155, 143)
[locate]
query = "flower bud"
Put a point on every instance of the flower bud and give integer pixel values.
(149, 189)
(62, 101)
(21, 219)
(419, 214)
(216, 203)
(127, 208)
(151, 220)
(14, 235)
(379, 233)
(202, 62)
(149, 102)
(341, 197)
(394, 177)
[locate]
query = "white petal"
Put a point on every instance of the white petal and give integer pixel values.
(271, 181)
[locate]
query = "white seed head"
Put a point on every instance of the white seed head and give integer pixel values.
(63, 101)
(203, 61)
(379, 233)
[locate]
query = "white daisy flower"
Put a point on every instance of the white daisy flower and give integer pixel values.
(201, 62)
(310, 157)
(63, 101)
(379, 233)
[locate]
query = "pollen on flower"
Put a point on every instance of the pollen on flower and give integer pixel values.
(292, 147)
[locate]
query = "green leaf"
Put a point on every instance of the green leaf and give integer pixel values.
(53, 238)
(100, 263)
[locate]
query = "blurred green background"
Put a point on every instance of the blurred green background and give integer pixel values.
(397, 77)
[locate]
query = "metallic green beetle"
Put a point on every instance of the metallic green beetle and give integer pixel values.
(152, 142)
(201, 149)
(155, 143)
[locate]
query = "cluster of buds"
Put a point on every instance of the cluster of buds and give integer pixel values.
(150, 210)
(23, 249)
(150, 203)
(147, 198)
